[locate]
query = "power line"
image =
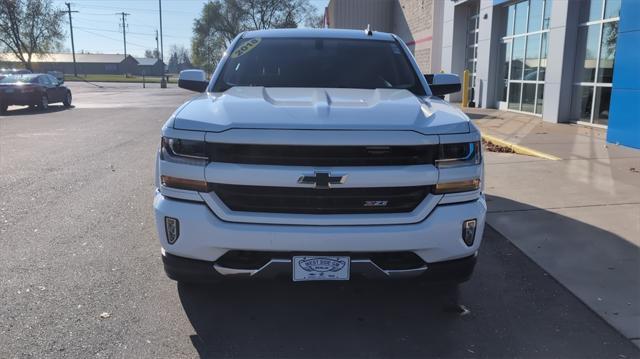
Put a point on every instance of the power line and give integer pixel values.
(93, 21)
(117, 31)
(111, 38)
(98, 7)
(130, 33)
(96, 14)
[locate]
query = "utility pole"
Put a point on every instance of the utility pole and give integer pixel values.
(157, 46)
(161, 43)
(124, 30)
(163, 81)
(73, 47)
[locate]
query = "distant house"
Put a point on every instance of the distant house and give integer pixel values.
(150, 66)
(86, 63)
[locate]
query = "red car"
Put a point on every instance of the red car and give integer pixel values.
(33, 90)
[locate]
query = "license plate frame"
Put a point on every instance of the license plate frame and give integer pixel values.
(321, 268)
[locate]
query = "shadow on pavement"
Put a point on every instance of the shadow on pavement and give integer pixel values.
(476, 116)
(26, 111)
(516, 310)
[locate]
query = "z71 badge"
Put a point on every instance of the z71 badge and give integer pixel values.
(375, 203)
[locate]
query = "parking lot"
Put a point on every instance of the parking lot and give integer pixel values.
(78, 240)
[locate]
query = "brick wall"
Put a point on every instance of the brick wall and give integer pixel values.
(413, 22)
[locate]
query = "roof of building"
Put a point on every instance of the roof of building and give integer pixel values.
(325, 33)
(145, 61)
(67, 57)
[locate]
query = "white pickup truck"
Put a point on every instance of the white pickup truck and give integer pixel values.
(319, 155)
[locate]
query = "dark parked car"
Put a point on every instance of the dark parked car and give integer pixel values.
(57, 74)
(34, 90)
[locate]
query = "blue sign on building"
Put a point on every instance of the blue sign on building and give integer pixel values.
(624, 112)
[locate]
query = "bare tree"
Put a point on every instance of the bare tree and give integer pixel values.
(152, 54)
(178, 59)
(222, 20)
(315, 21)
(29, 27)
(268, 14)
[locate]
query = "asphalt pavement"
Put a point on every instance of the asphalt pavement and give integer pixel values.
(81, 276)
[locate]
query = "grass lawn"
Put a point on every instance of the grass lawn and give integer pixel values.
(117, 78)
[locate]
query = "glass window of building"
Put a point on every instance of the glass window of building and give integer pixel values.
(546, 20)
(525, 45)
(473, 30)
(595, 58)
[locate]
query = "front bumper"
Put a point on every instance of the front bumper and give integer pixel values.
(192, 270)
(205, 238)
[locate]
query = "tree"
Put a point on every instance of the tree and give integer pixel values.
(172, 66)
(269, 14)
(178, 59)
(315, 21)
(222, 20)
(152, 54)
(30, 27)
(184, 62)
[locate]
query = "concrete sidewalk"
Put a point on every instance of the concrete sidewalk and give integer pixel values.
(578, 217)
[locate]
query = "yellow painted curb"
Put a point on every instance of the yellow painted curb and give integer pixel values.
(521, 150)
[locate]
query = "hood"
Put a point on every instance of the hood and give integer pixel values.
(326, 109)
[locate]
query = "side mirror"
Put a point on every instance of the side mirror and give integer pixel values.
(442, 84)
(194, 80)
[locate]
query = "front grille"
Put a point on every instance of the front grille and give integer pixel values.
(322, 155)
(320, 201)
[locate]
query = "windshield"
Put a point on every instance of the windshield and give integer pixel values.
(17, 78)
(316, 62)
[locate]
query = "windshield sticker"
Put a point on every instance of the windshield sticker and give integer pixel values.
(245, 47)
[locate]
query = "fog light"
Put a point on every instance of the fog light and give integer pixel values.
(172, 227)
(469, 231)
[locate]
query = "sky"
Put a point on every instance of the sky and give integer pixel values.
(96, 27)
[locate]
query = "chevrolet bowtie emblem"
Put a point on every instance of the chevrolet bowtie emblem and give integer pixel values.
(322, 180)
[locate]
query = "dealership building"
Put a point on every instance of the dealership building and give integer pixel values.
(565, 61)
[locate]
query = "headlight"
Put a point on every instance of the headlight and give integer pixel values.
(183, 151)
(459, 154)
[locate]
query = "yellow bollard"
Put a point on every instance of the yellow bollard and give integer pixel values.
(465, 88)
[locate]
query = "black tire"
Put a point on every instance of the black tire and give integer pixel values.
(67, 100)
(43, 105)
(3, 108)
